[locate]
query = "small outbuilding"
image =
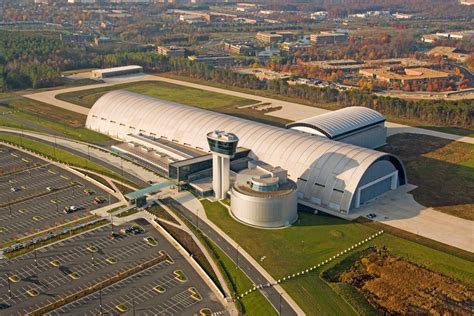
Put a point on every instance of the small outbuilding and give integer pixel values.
(116, 71)
(354, 125)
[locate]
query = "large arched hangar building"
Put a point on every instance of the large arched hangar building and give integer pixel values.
(329, 174)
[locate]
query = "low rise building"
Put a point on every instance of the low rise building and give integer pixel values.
(326, 38)
(292, 47)
(265, 74)
(116, 71)
(275, 37)
(239, 49)
(192, 19)
(461, 35)
(411, 75)
(449, 53)
(214, 60)
(171, 51)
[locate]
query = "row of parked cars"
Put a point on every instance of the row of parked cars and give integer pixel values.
(46, 236)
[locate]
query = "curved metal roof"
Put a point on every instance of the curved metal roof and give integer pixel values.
(341, 122)
(333, 165)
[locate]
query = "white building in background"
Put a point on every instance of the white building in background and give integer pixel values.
(116, 71)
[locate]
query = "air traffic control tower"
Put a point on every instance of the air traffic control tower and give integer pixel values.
(223, 146)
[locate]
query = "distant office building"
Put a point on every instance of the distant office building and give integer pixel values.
(461, 35)
(77, 37)
(275, 37)
(449, 53)
(192, 19)
(130, 1)
(171, 51)
(292, 47)
(411, 75)
(268, 53)
(81, 1)
(214, 60)
(116, 71)
(265, 74)
(102, 40)
(239, 49)
(326, 38)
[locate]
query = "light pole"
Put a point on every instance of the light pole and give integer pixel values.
(133, 306)
(92, 258)
(36, 259)
(100, 301)
(9, 288)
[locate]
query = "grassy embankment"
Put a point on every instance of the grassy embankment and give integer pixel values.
(313, 239)
(32, 115)
(442, 169)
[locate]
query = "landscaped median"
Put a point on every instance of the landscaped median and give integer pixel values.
(42, 239)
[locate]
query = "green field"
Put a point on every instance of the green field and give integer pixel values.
(313, 239)
(167, 91)
(33, 115)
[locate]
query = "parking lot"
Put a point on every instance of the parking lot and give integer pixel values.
(34, 195)
(61, 269)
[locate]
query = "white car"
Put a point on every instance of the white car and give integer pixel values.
(14, 189)
(49, 189)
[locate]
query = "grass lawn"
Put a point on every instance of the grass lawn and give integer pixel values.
(185, 95)
(313, 239)
(59, 155)
(450, 166)
(32, 115)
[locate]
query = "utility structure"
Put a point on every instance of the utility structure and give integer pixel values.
(223, 146)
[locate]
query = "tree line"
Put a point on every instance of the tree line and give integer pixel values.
(459, 113)
(31, 61)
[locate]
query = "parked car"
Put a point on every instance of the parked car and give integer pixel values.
(70, 209)
(99, 200)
